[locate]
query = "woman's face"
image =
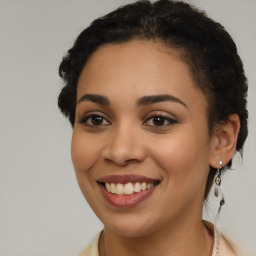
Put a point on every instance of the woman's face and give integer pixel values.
(140, 146)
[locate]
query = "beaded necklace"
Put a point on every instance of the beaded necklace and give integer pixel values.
(216, 243)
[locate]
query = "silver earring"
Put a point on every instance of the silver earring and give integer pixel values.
(217, 189)
(215, 200)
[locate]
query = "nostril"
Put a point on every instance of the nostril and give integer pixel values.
(129, 161)
(121, 162)
(123, 146)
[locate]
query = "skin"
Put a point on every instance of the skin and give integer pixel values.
(178, 153)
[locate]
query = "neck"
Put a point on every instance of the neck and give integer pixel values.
(179, 240)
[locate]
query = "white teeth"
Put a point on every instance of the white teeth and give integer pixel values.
(128, 188)
(137, 187)
(119, 189)
(108, 187)
(149, 185)
(113, 188)
(144, 186)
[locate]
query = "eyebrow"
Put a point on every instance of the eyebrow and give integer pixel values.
(146, 100)
(152, 99)
(102, 100)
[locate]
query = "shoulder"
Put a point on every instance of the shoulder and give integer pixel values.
(92, 248)
(225, 247)
(228, 248)
(222, 246)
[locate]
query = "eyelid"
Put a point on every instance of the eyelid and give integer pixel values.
(89, 115)
(166, 117)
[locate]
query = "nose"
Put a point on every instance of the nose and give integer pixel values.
(124, 146)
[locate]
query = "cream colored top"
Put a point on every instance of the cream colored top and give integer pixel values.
(220, 247)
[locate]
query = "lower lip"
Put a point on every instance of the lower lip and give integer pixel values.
(127, 200)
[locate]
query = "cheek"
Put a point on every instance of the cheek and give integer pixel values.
(84, 155)
(83, 152)
(184, 157)
(175, 159)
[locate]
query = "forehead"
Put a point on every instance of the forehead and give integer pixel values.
(136, 68)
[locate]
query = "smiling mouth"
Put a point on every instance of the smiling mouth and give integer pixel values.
(127, 194)
(128, 188)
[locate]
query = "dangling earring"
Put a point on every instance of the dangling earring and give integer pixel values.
(215, 200)
(218, 183)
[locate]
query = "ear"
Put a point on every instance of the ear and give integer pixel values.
(223, 143)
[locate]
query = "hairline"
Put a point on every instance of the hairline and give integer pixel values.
(177, 51)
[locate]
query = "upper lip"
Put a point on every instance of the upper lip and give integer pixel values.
(133, 178)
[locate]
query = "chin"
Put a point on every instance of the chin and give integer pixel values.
(130, 226)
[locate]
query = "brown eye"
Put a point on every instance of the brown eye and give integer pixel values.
(94, 120)
(97, 120)
(159, 121)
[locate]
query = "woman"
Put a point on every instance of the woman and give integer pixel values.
(156, 94)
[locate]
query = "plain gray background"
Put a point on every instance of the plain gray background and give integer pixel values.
(42, 211)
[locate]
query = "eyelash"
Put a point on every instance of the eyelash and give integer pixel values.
(164, 121)
(88, 118)
(167, 119)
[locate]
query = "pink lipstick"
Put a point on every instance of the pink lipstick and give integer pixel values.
(126, 190)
